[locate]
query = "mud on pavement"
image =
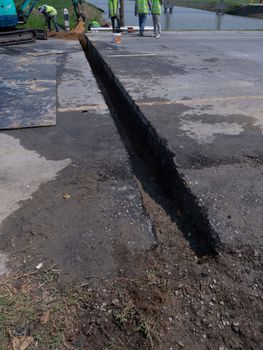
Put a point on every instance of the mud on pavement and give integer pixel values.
(91, 207)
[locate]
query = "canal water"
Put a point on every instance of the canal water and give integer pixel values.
(184, 18)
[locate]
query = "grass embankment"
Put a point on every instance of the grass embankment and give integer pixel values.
(36, 20)
(211, 5)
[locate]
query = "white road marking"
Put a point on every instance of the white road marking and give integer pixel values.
(133, 55)
(201, 100)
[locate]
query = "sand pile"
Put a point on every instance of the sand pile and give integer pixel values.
(80, 28)
(74, 34)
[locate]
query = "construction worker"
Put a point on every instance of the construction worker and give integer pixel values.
(114, 14)
(93, 24)
(142, 8)
(156, 12)
(50, 14)
(77, 9)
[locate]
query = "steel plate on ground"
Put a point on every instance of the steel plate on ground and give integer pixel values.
(27, 88)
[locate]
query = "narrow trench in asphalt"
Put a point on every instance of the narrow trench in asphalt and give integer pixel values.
(145, 165)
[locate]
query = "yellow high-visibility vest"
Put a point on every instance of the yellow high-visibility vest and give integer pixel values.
(156, 7)
(51, 11)
(113, 8)
(142, 6)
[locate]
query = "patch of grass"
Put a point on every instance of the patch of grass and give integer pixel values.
(36, 20)
(32, 303)
(123, 316)
(152, 276)
(132, 315)
(25, 297)
(148, 330)
(115, 344)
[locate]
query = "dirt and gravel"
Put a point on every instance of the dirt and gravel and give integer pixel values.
(168, 299)
(74, 34)
(165, 297)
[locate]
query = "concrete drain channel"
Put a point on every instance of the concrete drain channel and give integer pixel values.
(152, 150)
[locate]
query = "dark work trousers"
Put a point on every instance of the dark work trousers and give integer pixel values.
(113, 23)
(142, 22)
(54, 19)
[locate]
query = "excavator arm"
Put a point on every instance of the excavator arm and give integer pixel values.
(24, 10)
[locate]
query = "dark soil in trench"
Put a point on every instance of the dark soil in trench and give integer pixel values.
(179, 301)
